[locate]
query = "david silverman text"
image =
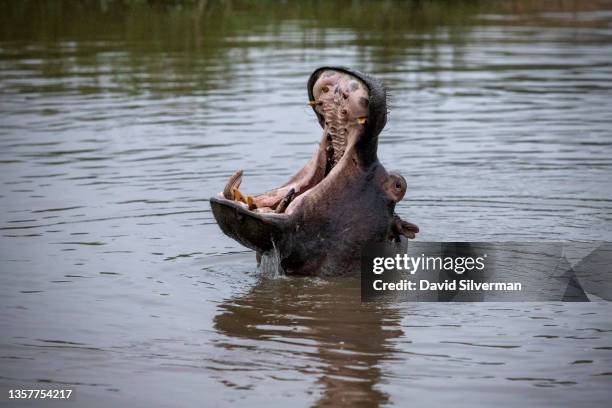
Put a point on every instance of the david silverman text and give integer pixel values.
(465, 285)
(458, 265)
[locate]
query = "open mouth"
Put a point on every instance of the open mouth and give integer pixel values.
(341, 102)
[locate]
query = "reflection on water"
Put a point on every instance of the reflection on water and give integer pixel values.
(320, 329)
(120, 119)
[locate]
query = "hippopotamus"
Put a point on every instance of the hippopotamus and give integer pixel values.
(342, 199)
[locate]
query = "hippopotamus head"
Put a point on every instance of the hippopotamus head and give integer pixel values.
(341, 199)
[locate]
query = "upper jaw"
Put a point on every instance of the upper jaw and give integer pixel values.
(377, 117)
(340, 101)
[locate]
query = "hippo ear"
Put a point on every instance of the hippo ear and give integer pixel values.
(253, 230)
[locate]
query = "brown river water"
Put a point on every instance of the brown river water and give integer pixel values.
(118, 120)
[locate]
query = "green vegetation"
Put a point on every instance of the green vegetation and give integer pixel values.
(171, 38)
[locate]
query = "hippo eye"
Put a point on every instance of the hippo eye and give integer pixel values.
(325, 89)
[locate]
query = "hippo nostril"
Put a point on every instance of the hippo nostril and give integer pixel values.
(344, 112)
(398, 185)
(345, 95)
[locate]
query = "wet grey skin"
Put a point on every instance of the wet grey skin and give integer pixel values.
(339, 201)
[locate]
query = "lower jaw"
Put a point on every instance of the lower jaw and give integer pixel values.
(334, 148)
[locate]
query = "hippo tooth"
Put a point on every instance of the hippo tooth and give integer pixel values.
(282, 206)
(233, 183)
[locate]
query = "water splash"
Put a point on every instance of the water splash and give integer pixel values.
(270, 265)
